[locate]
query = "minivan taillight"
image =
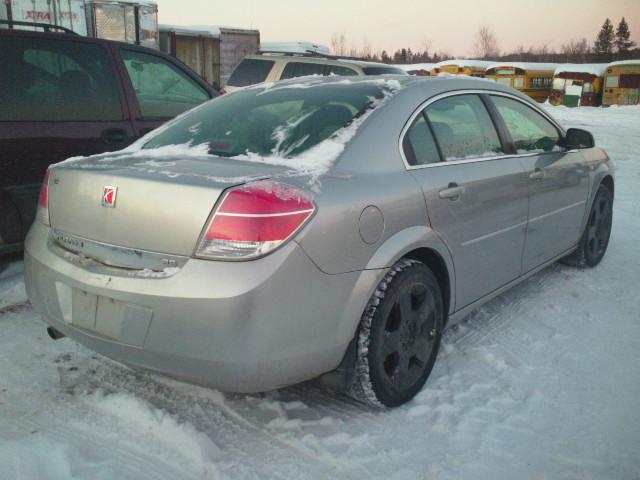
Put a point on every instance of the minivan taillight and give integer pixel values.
(43, 199)
(253, 220)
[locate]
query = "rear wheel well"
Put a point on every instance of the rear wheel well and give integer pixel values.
(608, 182)
(436, 264)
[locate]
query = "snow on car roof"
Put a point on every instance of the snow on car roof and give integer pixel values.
(524, 65)
(416, 66)
(294, 47)
(213, 30)
(624, 62)
(597, 69)
(464, 62)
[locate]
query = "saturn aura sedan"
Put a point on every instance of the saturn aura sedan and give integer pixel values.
(315, 227)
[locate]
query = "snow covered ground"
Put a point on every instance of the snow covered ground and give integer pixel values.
(541, 383)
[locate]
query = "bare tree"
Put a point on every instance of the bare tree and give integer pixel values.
(576, 50)
(367, 50)
(486, 45)
(339, 43)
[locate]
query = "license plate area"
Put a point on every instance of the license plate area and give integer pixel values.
(105, 316)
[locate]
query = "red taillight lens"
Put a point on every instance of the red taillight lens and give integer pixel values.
(254, 219)
(43, 199)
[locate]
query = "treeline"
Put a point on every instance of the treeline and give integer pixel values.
(611, 43)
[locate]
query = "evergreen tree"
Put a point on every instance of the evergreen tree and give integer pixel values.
(604, 41)
(623, 35)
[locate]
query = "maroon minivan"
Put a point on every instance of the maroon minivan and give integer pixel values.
(63, 95)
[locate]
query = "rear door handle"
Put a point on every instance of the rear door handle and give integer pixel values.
(537, 174)
(452, 192)
(114, 136)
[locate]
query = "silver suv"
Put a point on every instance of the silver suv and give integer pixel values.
(273, 66)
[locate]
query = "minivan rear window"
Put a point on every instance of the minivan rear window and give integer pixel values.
(282, 121)
(250, 71)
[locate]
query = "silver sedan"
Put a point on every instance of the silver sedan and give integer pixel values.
(317, 227)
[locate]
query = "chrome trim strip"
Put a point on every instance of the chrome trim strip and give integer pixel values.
(263, 215)
(493, 234)
(454, 93)
(113, 256)
(548, 214)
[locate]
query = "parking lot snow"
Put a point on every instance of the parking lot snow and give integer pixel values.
(540, 383)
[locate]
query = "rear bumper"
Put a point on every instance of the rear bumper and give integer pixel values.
(238, 326)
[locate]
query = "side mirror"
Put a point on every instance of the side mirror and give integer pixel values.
(576, 138)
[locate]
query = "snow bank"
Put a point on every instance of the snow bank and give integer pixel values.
(134, 414)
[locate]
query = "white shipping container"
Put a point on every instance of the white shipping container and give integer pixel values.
(64, 13)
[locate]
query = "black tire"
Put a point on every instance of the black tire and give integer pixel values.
(398, 337)
(595, 238)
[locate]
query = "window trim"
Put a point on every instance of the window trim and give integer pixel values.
(435, 98)
(132, 97)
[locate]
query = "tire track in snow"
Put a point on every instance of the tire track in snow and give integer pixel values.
(235, 434)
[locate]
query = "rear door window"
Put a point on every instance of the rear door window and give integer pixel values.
(418, 143)
(463, 128)
(162, 89)
(529, 130)
(302, 69)
(57, 80)
(250, 71)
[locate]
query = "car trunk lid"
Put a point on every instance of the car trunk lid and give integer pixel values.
(144, 203)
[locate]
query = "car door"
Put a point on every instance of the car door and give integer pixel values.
(59, 97)
(558, 181)
(476, 195)
(158, 88)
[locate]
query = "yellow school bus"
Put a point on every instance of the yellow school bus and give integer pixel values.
(533, 79)
(622, 83)
(473, 68)
(577, 84)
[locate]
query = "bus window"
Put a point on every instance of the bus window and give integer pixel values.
(518, 82)
(504, 81)
(612, 81)
(558, 83)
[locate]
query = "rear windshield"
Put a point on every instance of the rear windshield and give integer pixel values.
(249, 72)
(383, 71)
(282, 121)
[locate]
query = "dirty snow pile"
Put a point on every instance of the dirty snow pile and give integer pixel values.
(540, 383)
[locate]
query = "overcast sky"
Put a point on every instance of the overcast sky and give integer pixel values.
(447, 25)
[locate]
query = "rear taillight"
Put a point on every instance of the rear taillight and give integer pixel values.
(253, 220)
(43, 199)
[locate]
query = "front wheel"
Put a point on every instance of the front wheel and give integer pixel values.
(595, 238)
(399, 336)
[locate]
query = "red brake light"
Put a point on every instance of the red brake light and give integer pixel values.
(43, 199)
(254, 219)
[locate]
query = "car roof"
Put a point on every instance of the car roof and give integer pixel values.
(318, 58)
(74, 37)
